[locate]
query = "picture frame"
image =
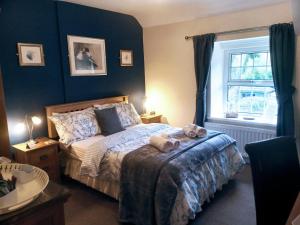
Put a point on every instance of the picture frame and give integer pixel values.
(126, 58)
(31, 54)
(87, 56)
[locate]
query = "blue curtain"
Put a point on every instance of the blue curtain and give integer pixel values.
(282, 49)
(203, 50)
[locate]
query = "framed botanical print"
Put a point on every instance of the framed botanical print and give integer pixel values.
(87, 56)
(31, 54)
(126, 58)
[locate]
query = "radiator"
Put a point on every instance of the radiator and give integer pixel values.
(243, 135)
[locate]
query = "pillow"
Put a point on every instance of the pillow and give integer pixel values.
(127, 113)
(75, 126)
(136, 119)
(109, 121)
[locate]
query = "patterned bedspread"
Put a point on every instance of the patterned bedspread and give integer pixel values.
(140, 191)
(104, 160)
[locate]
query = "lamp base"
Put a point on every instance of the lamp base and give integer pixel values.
(31, 144)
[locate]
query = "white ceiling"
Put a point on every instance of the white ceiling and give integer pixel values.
(158, 12)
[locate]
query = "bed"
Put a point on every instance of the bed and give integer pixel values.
(152, 188)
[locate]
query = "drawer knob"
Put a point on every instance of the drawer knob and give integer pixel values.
(43, 157)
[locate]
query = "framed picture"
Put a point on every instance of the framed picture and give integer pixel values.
(31, 54)
(126, 57)
(87, 56)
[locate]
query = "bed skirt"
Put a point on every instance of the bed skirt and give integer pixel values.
(72, 169)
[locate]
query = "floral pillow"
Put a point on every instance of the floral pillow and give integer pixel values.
(75, 126)
(127, 113)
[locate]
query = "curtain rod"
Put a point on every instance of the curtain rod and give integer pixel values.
(251, 29)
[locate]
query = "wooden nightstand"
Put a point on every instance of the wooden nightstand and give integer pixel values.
(156, 118)
(44, 155)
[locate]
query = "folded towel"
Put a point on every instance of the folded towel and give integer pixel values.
(201, 131)
(192, 131)
(164, 144)
(175, 142)
(173, 134)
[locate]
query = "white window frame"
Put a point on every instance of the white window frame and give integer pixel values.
(246, 46)
(227, 66)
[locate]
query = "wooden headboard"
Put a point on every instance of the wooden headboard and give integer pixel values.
(76, 106)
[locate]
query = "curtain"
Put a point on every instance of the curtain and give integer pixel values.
(282, 49)
(203, 50)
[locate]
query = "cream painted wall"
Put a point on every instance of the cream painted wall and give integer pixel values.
(296, 15)
(169, 60)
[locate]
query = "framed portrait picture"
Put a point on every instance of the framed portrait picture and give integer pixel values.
(126, 57)
(87, 56)
(31, 54)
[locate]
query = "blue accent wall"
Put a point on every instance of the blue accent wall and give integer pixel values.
(29, 89)
(120, 32)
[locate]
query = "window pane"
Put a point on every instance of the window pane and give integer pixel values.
(260, 59)
(235, 73)
(247, 73)
(269, 60)
(260, 73)
(236, 60)
(233, 99)
(253, 67)
(247, 59)
(252, 100)
(269, 73)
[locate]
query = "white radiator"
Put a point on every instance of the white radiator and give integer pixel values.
(243, 135)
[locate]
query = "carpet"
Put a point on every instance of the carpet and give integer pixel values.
(234, 205)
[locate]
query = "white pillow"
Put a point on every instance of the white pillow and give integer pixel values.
(126, 112)
(75, 126)
(134, 115)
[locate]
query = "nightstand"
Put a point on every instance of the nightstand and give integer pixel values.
(43, 155)
(156, 118)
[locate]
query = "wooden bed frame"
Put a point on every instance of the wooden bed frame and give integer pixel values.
(76, 106)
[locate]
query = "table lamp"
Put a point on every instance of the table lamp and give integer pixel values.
(30, 124)
(35, 121)
(149, 106)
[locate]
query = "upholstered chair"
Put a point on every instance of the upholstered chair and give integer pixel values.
(276, 178)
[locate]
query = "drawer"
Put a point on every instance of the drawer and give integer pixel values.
(52, 172)
(50, 169)
(43, 157)
(154, 120)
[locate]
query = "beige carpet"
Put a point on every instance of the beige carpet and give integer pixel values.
(234, 205)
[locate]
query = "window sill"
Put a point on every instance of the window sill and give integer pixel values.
(243, 123)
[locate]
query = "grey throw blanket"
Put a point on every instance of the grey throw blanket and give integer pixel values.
(149, 181)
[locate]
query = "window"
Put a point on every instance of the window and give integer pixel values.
(242, 85)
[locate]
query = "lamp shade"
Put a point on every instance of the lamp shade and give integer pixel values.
(20, 128)
(36, 120)
(150, 104)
